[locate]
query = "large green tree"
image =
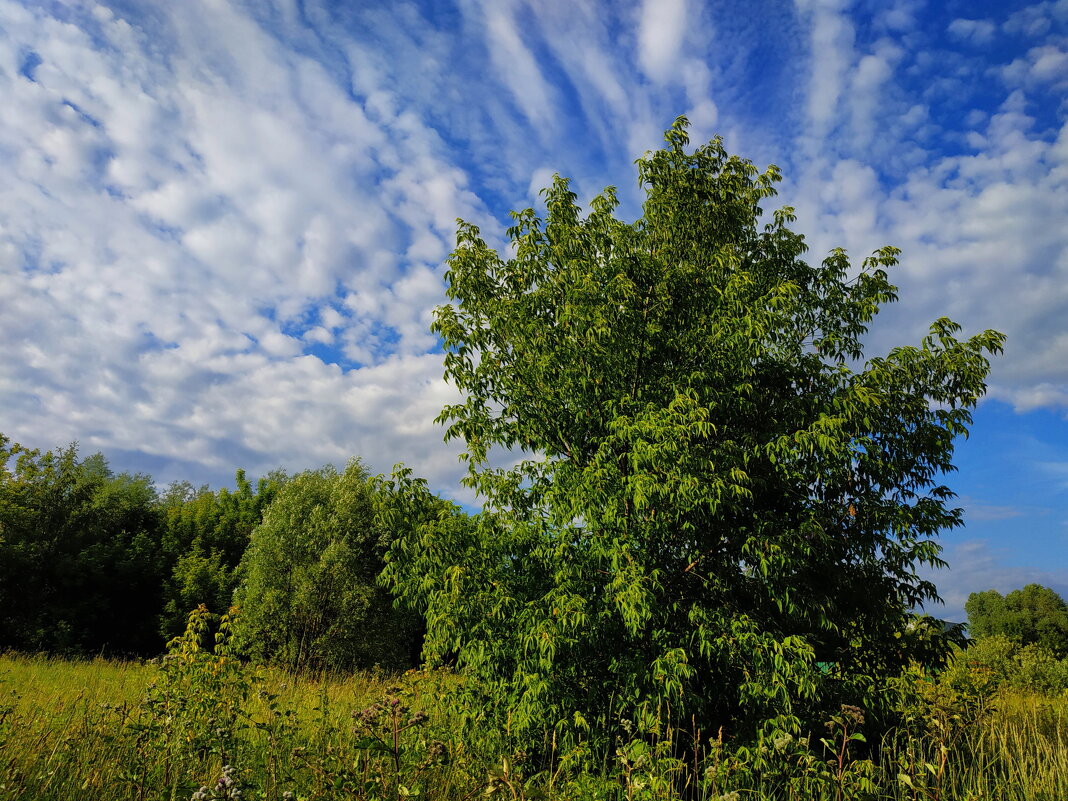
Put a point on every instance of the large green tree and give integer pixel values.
(716, 496)
(204, 538)
(1033, 615)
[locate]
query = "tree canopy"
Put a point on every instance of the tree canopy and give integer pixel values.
(93, 562)
(308, 594)
(1033, 615)
(719, 506)
(204, 537)
(79, 554)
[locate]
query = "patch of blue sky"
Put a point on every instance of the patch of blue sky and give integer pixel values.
(29, 250)
(1012, 481)
(379, 338)
(30, 61)
(159, 229)
(151, 342)
(754, 58)
(330, 354)
(83, 115)
(33, 264)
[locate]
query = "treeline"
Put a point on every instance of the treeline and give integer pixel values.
(94, 562)
(1019, 641)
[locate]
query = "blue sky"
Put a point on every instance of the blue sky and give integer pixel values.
(223, 224)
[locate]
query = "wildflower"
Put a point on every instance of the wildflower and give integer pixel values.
(367, 716)
(437, 751)
(854, 713)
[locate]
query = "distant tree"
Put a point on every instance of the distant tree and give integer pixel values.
(1034, 615)
(716, 493)
(308, 595)
(80, 559)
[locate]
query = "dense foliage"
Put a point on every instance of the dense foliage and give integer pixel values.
(309, 596)
(721, 507)
(1033, 615)
(97, 563)
(204, 537)
(80, 557)
(203, 725)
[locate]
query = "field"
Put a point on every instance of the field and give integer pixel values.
(107, 730)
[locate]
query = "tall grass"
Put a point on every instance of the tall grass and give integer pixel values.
(100, 730)
(213, 728)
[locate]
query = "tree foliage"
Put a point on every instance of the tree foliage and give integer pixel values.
(716, 493)
(204, 537)
(308, 592)
(93, 562)
(1034, 615)
(79, 554)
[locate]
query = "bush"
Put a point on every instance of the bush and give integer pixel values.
(995, 662)
(308, 590)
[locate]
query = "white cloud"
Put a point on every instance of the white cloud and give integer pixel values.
(983, 242)
(1047, 64)
(177, 201)
(540, 179)
(1037, 19)
(195, 198)
(515, 63)
(978, 32)
(985, 511)
(831, 40)
(867, 91)
(981, 229)
(660, 34)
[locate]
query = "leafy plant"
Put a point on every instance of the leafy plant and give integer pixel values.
(196, 707)
(62, 744)
(80, 564)
(1033, 615)
(205, 534)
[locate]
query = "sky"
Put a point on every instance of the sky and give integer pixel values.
(223, 224)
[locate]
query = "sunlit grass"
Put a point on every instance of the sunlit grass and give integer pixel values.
(1024, 747)
(80, 729)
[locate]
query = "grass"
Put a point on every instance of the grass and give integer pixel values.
(108, 730)
(1025, 748)
(84, 729)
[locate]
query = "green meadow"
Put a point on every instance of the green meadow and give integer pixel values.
(204, 725)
